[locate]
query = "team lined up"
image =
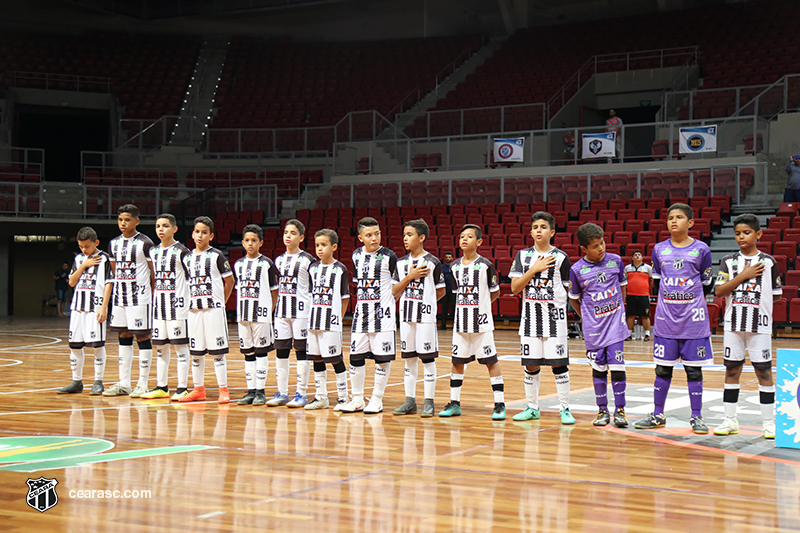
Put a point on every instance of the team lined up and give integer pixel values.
(299, 301)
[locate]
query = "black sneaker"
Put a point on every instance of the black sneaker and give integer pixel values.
(248, 398)
(97, 388)
(73, 388)
(260, 398)
(620, 419)
(602, 418)
(698, 425)
(651, 421)
(409, 407)
(629, 338)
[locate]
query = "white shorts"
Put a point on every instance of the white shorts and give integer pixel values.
(135, 319)
(758, 346)
(418, 340)
(378, 346)
(325, 345)
(255, 338)
(85, 330)
(208, 331)
(469, 346)
(287, 329)
(170, 332)
(548, 351)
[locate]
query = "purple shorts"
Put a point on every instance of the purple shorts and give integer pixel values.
(611, 357)
(691, 352)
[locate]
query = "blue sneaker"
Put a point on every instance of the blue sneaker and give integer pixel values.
(451, 409)
(278, 399)
(499, 412)
(528, 414)
(299, 400)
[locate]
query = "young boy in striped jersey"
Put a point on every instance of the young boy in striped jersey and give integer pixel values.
(256, 292)
(131, 314)
(541, 273)
(749, 280)
(210, 285)
(419, 284)
(170, 308)
(330, 293)
(92, 278)
(291, 315)
(476, 284)
(373, 330)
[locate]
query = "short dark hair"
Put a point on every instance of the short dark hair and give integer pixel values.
(301, 228)
(87, 233)
(254, 228)
(688, 211)
(420, 226)
(170, 217)
(637, 252)
(330, 234)
(587, 233)
(366, 222)
(131, 209)
(476, 228)
(544, 215)
(449, 252)
(204, 220)
(748, 219)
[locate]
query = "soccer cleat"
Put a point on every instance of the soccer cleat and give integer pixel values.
(299, 400)
(528, 414)
(197, 395)
(117, 390)
(729, 426)
(620, 419)
(248, 398)
(428, 409)
(278, 399)
(137, 391)
(225, 396)
(409, 407)
(651, 421)
(353, 406)
(155, 393)
(499, 411)
(179, 394)
(698, 425)
(73, 388)
(374, 406)
(566, 417)
(261, 398)
(318, 403)
(769, 430)
(646, 337)
(453, 408)
(602, 418)
(97, 388)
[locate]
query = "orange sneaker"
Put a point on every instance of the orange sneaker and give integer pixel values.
(224, 395)
(197, 395)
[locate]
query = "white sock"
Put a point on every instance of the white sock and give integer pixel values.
(198, 370)
(647, 332)
(358, 374)
(562, 388)
(429, 370)
(382, 378)
(455, 392)
(250, 374)
(99, 363)
(125, 363)
(282, 375)
(183, 365)
(303, 370)
(532, 389)
(730, 407)
(410, 374)
(262, 369)
(162, 366)
(497, 388)
(321, 383)
(145, 357)
(767, 409)
(341, 385)
(76, 358)
(221, 370)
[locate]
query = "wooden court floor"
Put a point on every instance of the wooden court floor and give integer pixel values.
(230, 468)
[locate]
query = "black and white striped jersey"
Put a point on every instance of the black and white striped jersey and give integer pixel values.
(294, 294)
(330, 284)
(749, 307)
(374, 277)
(255, 279)
(206, 270)
(88, 293)
(544, 300)
(131, 270)
(171, 292)
(418, 301)
(475, 283)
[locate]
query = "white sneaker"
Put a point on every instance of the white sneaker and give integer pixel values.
(117, 390)
(318, 403)
(138, 390)
(769, 430)
(729, 426)
(374, 406)
(355, 405)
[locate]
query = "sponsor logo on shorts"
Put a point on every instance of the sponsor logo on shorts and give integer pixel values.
(701, 352)
(93, 335)
(220, 341)
(765, 353)
(177, 332)
(487, 350)
(138, 322)
(303, 333)
(561, 350)
(387, 346)
(618, 355)
(403, 345)
(262, 341)
(332, 350)
(427, 347)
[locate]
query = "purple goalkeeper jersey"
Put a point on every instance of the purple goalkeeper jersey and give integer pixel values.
(599, 288)
(681, 312)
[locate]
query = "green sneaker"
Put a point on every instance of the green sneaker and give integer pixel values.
(528, 414)
(566, 417)
(453, 408)
(499, 412)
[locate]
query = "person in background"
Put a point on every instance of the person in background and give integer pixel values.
(449, 297)
(792, 192)
(61, 276)
(614, 125)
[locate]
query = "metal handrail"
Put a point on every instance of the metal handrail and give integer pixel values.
(49, 77)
